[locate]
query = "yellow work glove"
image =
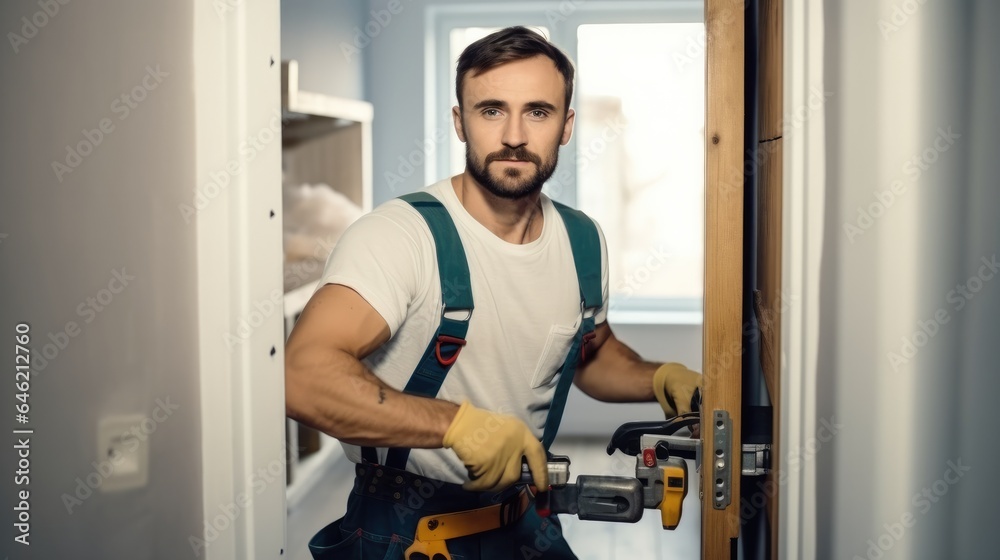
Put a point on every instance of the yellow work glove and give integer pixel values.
(674, 386)
(491, 446)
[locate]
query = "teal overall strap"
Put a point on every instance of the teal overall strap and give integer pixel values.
(586, 245)
(456, 296)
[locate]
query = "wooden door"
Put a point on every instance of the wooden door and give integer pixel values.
(724, 138)
(726, 166)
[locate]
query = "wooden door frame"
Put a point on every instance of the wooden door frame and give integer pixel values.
(722, 347)
(724, 230)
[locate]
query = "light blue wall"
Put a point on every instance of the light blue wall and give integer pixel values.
(395, 74)
(320, 34)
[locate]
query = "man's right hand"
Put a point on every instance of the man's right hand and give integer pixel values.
(491, 446)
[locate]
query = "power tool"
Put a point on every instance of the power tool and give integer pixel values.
(660, 482)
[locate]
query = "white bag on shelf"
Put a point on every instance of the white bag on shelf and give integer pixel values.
(315, 216)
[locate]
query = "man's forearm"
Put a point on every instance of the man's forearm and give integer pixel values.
(617, 374)
(335, 393)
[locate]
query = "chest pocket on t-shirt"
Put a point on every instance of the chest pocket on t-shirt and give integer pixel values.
(554, 352)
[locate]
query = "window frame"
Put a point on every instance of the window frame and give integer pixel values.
(562, 19)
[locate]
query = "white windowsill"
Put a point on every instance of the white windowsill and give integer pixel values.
(646, 317)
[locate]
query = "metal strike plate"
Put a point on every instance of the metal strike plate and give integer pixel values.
(721, 460)
(756, 459)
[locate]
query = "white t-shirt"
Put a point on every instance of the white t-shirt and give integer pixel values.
(527, 311)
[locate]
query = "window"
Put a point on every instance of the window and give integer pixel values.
(637, 154)
(640, 155)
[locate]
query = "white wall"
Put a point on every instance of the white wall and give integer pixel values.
(896, 85)
(134, 261)
(117, 210)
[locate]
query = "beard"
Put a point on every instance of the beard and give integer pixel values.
(512, 183)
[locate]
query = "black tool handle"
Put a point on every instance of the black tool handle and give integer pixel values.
(626, 437)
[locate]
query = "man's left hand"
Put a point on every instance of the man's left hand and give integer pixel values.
(674, 386)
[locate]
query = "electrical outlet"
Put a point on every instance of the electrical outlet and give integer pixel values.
(122, 453)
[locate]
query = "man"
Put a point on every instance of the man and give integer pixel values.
(366, 330)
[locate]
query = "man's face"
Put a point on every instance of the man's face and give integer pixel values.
(513, 120)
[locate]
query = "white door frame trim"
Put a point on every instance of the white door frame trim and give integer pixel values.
(802, 226)
(236, 187)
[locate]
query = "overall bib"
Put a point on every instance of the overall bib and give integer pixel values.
(387, 503)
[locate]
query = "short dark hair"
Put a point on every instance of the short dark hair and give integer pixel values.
(508, 45)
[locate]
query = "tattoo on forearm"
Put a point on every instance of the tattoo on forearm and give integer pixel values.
(381, 395)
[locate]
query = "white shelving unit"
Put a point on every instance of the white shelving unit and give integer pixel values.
(327, 140)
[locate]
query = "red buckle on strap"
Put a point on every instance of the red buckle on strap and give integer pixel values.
(587, 337)
(443, 338)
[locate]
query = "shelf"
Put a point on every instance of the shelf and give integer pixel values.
(297, 102)
(325, 140)
(308, 115)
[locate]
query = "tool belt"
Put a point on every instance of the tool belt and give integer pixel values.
(434, 530)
